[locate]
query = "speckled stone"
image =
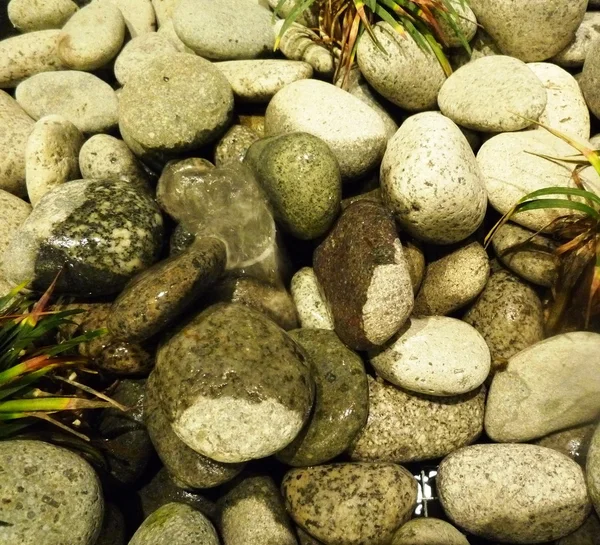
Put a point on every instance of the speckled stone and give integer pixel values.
(104, 232)
(435, 355)
(405, 426)
(233, 384)
(309, 17)
(168, 30)
(364, 276)
(453, 281)
(234, 144)
(85, 100)
(509, 316)
(493, 94)
(51, 156)
(155, 298)
(587, 534)
(164, 10)
(113, 527)
(313, 309)
(139, 15)
(341, 402)
(253, 513)
(466, 23)
(254, 121)
(13, 212)
(29, 16)
(186, 467)
(302, 180)
(354, 504)
(175, 524)
(428, 531)
(573, 56)
(49, 495)
(518, 407)
(404, 72)
(590, 78)
(517, 493)
(482, 45)
(573, 442)
(592, 470)
(431, 181)
(416, 263)
(304, 538)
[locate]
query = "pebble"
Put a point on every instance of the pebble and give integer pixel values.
(51, 156)
(14, 212)
(436, 356)
(319, 108)
(465, 21)
(590, 78)
(364, 275)
(341, 403)
(509, 316)
(249, 394)
(313, 309)
(259, 80)
(49, 494)
(403, 73)
(353, 504)
(124, 225)
(92, 37)
(592, 469)
(175, 524)
(530, 32)
(482, 45)
(493, 94)
(574, 54)
(28, 54)
(302, 180)
(517, 493)
(529, 255)
(573, 442)
(164, 10)
(308, 18)
(234, 144)
(138, 15)
(168, 31)
(518, 408)
(431, 181)
(253, 513)
(416, 263)
(428, 531)
(405, 426)
(29, 16)
(206, 27)
(453, 281)
(586, 534)
(172, 88)
(81, 98)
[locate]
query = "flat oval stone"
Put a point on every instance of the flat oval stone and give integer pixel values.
(234, 385)
(50, 495)
(428, 531)
(364, 276)
(83, 99)
(405, 426)
(139, 15)
(587, 534)
(29, 16)
(320, 109)
(313, 309)
(573, 442)
(234, 144)
(518, 407)
(517, 493)
(14, 212)
(574, 54)
(590, 77)
(430, 179)
(435, 355)
(493, 94)
(354, 504)
(341, 402)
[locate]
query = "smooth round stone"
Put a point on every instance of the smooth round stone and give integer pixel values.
(404, 72)
(493, 94)
(453, 281)
(139, 15)
(572, 442)
(592, 469)
(529, 255)
(465, 21)
(50, 495)
(302, 180)
(321, 109)
(313, 309)
(566, 365)
(234, 144)
(175, 524)
(253, 513)
(341, 402)
(590, 78)
(14, 212)
(164, 10)
(566, 109)
(574, 54)
(206, 26)
(28, 54)
(509, 316)
(431, 181)
(233, 384)
(517, 493)
(51, 156)
(364, 275)
(354, 504)
(29, 16)
(259, 80)
(435, 355)
(416, 263)
(113, 527)
(482, 45)
(406, 426)
(186, 467)
(179, 102)
(531, 32)
(92, 37)
(98, 233)
(586, 534)
(428, 531)
(81, 98)
(139, 51)
(168, 31)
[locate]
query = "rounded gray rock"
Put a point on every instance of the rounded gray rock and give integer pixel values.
(234, 144)
(590, 78)
(428, 531)
(29, 16)
(13, 212)
(313, 309)
(574, 55)
(573, 442)
(592, 469)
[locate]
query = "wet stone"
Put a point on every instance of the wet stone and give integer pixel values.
(234, 144)
(313, 309)
(573, 442)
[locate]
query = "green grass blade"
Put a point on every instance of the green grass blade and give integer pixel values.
(299, 8)
(50, 404)
(546, 204)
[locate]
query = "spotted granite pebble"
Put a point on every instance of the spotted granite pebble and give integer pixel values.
(313, 309)
(13, 212)
(416, 262)
(517, 493)
(139, 15)
(573, 56)
(587, 534)
(234, 144)
(573, 442)
(29, 16)
(428, 531)
(592, 469)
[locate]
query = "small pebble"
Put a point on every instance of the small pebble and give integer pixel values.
(573, 56)
(428, 531)
(29, 16)
(13, 212)
(313, 309)
(573, 442)
(234, 144)
(139, 15)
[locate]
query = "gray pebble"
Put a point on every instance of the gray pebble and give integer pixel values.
(574, 55)
(29, 16)
(234, 144)
(313, 309)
